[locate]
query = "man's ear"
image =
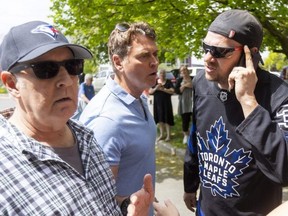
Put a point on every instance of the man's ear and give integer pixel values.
(117, 61)
(9, 81)
(254, 50)
(256, 57)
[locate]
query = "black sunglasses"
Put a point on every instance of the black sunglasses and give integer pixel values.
(219, 52)
(122, 27)
(49, 69)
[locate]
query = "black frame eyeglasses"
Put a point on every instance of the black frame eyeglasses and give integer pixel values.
(219, 52)
(49, 69)
(122, 27)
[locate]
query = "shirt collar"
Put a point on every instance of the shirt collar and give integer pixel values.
(117, 90)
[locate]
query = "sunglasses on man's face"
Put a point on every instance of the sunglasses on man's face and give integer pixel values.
(49, 69)
(219, 52)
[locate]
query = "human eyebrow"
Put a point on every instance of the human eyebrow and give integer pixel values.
(143, 54)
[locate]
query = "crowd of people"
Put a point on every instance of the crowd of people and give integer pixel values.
(102, 162)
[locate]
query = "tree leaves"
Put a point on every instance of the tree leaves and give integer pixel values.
(180, 25)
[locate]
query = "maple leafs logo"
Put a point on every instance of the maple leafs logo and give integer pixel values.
(219, 167)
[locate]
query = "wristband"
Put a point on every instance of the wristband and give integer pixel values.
(124, 206)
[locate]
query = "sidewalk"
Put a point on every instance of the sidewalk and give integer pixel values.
(169, 176)
(167, 148)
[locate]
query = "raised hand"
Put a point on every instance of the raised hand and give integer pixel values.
(243, 80)
(142, 199)
(169, 209)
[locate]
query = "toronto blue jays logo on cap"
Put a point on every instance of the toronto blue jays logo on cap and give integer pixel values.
(46, 29)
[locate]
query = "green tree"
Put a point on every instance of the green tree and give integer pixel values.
(180, 24)
(275, 61)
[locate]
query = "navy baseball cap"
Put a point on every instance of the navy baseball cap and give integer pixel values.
(241, 26)
(30, 40)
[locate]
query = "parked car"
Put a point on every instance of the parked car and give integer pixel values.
(171, 77)
(194, 70)
(176, 73)
(276, 73)
(99, 80)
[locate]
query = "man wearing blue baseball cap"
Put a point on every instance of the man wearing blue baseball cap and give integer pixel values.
(49, 164)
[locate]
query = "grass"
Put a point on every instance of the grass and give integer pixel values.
(2, 90)
(168, 165)
(177, 134)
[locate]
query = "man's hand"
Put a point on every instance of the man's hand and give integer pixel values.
(280, 210)
(142, 199)
(169, 209)
(244, 80)
(190, 201)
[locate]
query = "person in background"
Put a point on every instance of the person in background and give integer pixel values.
(184, 89)
(49, 164)
(85, 93)
(238, 146)
(146, 93)
(162, 107)
(119, 114)
(284, 74)
(81, 78)
(86, 89)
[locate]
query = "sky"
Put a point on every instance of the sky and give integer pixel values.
(15, 12)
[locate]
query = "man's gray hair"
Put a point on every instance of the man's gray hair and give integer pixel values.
(88, 76)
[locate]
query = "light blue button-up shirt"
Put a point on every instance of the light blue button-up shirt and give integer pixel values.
(126, 130)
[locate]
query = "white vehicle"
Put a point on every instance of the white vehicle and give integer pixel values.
(277, 73)
(195, 69)
(99, 80)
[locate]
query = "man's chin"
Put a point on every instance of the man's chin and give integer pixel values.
(65, 113)
(209, 77)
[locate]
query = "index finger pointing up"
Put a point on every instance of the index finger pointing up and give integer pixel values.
(248, 58)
